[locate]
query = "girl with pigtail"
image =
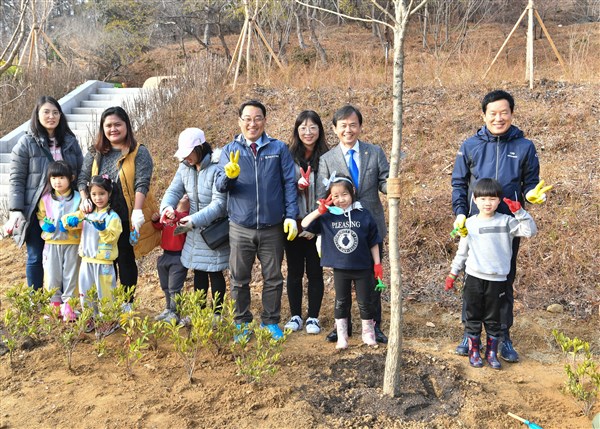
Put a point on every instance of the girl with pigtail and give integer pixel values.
(100, 232)
(350, 245)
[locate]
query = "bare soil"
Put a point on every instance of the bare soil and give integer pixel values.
(315, 386)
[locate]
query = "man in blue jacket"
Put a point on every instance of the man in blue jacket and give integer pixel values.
(257, 172)
(499, 150)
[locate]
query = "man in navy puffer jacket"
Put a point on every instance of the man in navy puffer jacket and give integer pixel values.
(257, 172)
(500, 151)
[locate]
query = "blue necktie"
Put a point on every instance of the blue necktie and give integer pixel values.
(353, 168)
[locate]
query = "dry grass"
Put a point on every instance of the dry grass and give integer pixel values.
(442, 108)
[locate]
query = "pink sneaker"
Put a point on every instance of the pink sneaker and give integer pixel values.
(67, 312)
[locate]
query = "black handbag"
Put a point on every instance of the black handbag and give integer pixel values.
(217, 233)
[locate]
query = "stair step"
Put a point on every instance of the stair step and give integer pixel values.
(103, 104)
(128, 91)
(87, 110)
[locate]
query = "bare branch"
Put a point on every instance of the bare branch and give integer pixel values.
(384, 10)
(346, 16)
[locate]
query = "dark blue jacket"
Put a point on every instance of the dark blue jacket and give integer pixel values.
(347, 239)
(511, 159)
(264, 194)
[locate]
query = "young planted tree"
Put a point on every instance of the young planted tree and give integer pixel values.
(397, 20)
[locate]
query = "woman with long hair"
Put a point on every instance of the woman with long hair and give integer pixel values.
(117, 154)
(49, 139)
(307, 146)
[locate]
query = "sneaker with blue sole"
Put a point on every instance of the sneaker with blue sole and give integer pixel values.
(274, 329)
(244, 332)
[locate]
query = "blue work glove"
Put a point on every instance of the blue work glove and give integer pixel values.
(134, 237)
(72, 221)
(100, 225)
(48, 225)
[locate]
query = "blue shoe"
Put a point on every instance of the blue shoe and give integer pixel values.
(274, 330)
(463, 348)
(507, 351)
(244, 332)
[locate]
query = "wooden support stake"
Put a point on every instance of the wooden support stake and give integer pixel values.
(529, 54)
(237, 47)
(262, 36)
(505, 42)
(52, 46)
(560, 59)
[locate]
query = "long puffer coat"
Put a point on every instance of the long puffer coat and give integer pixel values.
(28, 169)
(206, 205)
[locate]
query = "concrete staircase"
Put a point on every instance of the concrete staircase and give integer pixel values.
(82, 108)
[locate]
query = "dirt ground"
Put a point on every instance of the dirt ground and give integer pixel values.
(315, 386)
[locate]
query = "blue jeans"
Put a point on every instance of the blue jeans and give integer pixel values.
(35, 248)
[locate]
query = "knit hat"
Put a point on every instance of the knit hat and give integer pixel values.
(188, 140)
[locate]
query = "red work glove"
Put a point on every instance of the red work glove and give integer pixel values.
(513, 206)
(304, 181)
(378, 271)
(449, 282)
(324, 204)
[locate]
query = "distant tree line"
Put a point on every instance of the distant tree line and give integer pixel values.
(110, 34)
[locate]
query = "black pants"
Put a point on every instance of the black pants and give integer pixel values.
(171, 275)
(506, 312)
(125, 267)
(483, 300)
(217, 285)
(298, 253)
(342, 282)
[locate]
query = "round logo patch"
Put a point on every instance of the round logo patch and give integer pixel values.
(346, 240)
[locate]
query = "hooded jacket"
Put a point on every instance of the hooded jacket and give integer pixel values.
(29, 162)
(511, 159)
(206, 205)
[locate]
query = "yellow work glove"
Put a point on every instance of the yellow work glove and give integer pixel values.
(459, 225)
(538, 194)
(290, 227)
(232, 168)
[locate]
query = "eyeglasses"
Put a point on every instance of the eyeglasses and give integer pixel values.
(312, 129)
(248, 120)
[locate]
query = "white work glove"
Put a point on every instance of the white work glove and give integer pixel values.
(290, 227)
(15, 222)
(184, 226)
(318, 245)
(137, 219)
(307, 235)
(168, 214)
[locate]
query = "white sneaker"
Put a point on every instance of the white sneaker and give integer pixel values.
(295, 324)
(313, 326)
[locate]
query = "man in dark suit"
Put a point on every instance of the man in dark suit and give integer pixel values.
(369, 169)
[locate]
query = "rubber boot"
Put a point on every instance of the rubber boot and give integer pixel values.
(368, 332)
(463, 348)
(342, 333)
(507, 351)
(474, 346)
(491, 352)
(332, 336)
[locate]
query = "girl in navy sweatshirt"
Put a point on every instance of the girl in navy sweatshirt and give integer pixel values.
(350, 245)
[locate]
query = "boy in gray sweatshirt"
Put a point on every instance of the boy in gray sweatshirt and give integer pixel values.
(485, 254)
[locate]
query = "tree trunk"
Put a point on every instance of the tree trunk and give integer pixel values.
(313, 36)
(391, 377)
(299, 30)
